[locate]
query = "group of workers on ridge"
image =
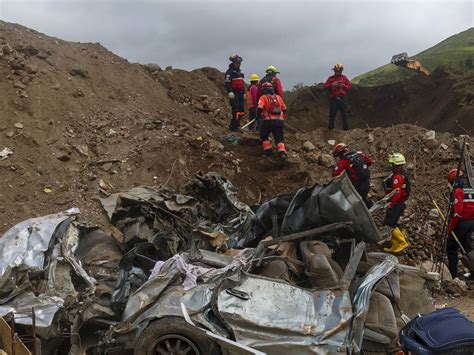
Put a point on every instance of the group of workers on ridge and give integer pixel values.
(265, 104)
(266, 107)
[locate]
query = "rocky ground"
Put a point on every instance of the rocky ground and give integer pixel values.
(80, 120)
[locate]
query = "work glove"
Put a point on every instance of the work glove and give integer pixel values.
(231, 95)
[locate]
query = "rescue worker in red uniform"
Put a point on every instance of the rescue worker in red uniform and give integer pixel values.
(356, 165)
(398, 181)
(235, 86)
(271, 109)
(252, 101)
(462, 221)
(338, 85)
(271, 77)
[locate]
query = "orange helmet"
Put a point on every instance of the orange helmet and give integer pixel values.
(339, 149)
(453, 173)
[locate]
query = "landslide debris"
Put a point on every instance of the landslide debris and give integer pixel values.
(82, 122)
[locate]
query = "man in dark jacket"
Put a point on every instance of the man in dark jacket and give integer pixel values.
(338, 85)
(235, 86)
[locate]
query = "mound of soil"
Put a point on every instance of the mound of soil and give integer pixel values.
(441, 101)
(82, 121)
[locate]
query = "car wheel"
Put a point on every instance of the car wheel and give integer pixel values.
(173, 336)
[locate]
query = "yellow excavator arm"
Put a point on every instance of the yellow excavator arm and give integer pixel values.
(402, 60)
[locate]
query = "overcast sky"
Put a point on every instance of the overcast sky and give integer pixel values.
(304, 39)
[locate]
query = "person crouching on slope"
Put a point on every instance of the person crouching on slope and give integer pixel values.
(252, 101)
(462, 221)
(271, 109)
(356, 165)
(398, 181)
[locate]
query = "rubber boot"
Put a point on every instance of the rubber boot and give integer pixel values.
(399, 242)
(402, 241)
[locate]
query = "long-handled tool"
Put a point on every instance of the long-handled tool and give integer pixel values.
(247, 124)
(467, 258)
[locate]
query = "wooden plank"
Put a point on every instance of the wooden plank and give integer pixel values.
(11, 344)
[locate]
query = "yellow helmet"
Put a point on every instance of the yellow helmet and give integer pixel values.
(271, 69)
(396, 159)
(254, 77)
(338, 67)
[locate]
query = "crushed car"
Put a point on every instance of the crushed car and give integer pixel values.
(199, 272)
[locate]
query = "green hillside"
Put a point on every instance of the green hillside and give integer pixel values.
(456, 53)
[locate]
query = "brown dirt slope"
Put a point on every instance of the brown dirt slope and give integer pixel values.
(441, 101)
(79, 118)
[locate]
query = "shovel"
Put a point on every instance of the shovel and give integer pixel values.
(467, 259)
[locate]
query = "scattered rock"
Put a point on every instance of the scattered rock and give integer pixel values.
(111, 133)
(444, 146)
(308, 146)
(434, 214)
(19, 85)
(42, 55)
(215, 145)
(79, 72)
(430, 232)
(454, 287)
(430, 135)
(18, 125)
(332, 142)
(9, 134)
(61, 156)
(326, 160)
(31, 68)
(78, 93)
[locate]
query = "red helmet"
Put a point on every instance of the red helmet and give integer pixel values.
(267, 88)
(339, 149)
(453, 173)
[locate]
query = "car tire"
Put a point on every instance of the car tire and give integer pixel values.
(173, 335)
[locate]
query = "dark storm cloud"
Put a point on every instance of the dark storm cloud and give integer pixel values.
(303, 39)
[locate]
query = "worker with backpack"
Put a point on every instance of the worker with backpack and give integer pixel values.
(399, 182)
(271, 109)
(356, 165)
(271, 77)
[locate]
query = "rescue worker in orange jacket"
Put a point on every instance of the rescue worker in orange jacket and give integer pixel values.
(462, 220)
(252, 101)
(271, 109)
(235, 86)
(338, 86)
(398, 181)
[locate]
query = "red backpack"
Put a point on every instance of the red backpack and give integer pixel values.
(273, 105)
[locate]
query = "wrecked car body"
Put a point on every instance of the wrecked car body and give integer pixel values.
(200, 272)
